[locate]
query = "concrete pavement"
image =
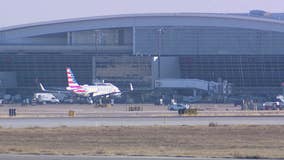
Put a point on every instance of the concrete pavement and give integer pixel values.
(121, 110)
(55, 157)
(136, 121)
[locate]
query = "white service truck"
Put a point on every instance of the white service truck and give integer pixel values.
(44, 98)
(277, 103)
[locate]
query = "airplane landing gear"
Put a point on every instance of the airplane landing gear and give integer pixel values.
(90, 100)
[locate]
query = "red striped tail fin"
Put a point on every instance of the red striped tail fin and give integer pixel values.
(71, 78)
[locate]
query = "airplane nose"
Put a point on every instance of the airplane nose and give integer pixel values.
(118, 92)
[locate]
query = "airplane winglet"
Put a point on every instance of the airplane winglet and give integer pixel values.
(42, 88)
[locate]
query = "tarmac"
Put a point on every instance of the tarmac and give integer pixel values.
(55, 157)
(122, 110)
(136, 121)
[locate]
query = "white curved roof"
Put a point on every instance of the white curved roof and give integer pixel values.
(154, 19)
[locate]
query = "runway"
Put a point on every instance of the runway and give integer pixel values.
(53, 157)
(136, 121)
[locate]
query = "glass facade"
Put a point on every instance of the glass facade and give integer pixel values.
(48, 39)
(207, 41)
(121, 70)
(253, 71)
(103, 37)
(48, 69)
(250, 59)
(32, 67)
(245, 57)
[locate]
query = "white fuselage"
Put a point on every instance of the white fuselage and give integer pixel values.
(98, 90)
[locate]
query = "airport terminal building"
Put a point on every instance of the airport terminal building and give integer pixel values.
(247, 50)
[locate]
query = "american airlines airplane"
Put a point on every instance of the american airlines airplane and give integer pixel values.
(88, 91)
(96, 90)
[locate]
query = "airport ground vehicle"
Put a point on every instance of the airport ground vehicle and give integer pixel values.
(273, 105)
(277, 103)
(176, 107)
(44, 98)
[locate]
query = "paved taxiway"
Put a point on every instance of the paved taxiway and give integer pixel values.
(51, 157)
(122, 110)
(136, 121)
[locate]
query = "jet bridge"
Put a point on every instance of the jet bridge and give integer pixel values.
(222, 87)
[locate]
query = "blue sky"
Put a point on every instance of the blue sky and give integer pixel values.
(15, 12)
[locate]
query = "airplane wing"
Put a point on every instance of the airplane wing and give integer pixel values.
(53, 91)
(106, 95)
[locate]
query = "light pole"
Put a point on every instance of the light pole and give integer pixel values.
(97, 39)
(161, 30)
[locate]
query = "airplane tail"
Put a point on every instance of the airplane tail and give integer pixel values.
(131, 87)
(41, 87)
(71, 78)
